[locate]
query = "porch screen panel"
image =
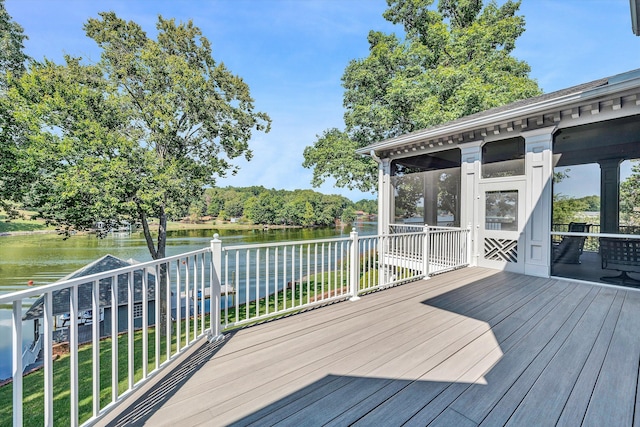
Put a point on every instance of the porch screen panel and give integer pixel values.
(503, 158)
(427, 188)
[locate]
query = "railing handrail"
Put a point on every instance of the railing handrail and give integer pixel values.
(61, 284)
(611, 235)
(281, 244)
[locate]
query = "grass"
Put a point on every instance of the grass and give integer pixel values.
(23, 224)
(33, 384)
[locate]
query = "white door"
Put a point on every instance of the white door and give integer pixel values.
(501, 225)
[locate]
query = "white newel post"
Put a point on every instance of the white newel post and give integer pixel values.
(215, 275)
(354, 267)
(425, 252)
(469, 198)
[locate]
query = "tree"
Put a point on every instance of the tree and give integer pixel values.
(630, 197)
(454, 61)
(138, 135)
(12, 66)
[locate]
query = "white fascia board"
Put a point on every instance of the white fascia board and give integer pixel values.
(507, 115)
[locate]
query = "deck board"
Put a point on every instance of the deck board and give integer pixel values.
(465, 348)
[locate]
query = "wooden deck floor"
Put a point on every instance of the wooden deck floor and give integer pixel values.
(466, 348)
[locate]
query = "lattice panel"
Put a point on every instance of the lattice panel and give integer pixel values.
(501, 250)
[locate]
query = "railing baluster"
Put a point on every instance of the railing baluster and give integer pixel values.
(301, 262)
(257, 282)
(237, 285)
(267, 281)
(322, 268)
(276, 263)
(73, 355)
(130, 330)
(178, 306)
(309, 274)
(16, 322)
(95, 341)
(284, 278)
(114, 338)
(293, 276)
(247, 284)
(48, 358)
(167, 308)
(203, 296)
(145, 323)
(158, 319)
(187, 302)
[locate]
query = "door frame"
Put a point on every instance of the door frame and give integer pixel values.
(502, 249)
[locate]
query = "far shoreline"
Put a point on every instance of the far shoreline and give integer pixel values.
(172, 226)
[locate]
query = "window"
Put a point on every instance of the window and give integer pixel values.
(501, 211)
(137, 310)
(503, 158)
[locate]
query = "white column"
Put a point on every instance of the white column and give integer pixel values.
(538, 194)
(469, 204)
(385, 196)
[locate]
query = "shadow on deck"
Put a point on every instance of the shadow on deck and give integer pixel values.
(466, 348)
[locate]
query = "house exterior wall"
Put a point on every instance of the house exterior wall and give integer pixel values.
(122, 319)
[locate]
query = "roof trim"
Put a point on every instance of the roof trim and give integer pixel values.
(523, 108)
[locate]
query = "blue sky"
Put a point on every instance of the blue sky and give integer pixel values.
(292, 54)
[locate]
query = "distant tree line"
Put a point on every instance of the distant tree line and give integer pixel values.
(259, 205)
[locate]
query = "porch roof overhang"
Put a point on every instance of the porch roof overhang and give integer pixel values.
(635, 16)
(582, 103)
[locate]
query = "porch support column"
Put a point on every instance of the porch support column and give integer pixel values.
(469, 203)
(430, 202)
(385, 196)
(609, 195)
(539, 175)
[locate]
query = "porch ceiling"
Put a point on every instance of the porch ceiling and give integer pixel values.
(599, 100)
(469, 347)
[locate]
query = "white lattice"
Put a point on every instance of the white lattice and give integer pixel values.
(501, 250)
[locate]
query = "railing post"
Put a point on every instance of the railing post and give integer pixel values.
(215, 290)
(354, 267)
(425, 251)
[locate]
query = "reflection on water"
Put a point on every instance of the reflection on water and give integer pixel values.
(46, 258)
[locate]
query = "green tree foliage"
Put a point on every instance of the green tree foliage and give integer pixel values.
(630, 197)
(139, 134)
(367, 206)
(12, 66)
(455, 60)
(278, 207)
(567, 209)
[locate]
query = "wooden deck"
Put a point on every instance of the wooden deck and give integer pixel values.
(466, 348)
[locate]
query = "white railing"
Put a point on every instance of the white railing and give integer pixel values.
(405, 228)
(269, 280)
(183, 298)
(133, 348)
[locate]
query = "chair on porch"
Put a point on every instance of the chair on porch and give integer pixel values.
(570, 248)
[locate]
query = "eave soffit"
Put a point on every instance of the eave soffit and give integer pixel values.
(600, 100)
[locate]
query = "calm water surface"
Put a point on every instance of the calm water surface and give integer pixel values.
(45, 258)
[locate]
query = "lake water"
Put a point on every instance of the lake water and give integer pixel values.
(45, 258)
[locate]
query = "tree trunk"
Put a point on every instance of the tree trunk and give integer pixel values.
(156, 254)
